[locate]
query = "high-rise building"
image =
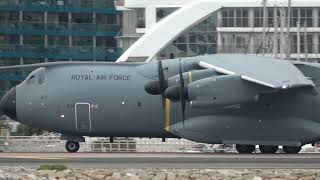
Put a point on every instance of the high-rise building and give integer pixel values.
(35, 31)
(234, 28)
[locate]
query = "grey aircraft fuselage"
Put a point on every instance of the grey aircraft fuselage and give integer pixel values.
(109, 100)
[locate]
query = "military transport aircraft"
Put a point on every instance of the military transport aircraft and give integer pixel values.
(218, 99)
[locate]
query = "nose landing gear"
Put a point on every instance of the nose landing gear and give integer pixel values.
(72, 146)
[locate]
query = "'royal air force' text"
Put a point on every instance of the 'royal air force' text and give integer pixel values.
(101, 77)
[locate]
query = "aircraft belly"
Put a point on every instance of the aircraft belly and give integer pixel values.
(248, 130)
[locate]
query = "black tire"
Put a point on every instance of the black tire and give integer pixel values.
(292, 149)
(268, 149)
(72, 146)
(245, 149)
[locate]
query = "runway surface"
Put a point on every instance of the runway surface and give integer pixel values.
(162, 160)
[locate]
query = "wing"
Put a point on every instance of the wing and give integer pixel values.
(269, 72)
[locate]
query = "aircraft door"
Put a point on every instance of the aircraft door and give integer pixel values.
(83, 117)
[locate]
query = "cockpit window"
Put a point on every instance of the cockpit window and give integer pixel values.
(37, 77)
(32, 76)
(31, 79)
(41, 78)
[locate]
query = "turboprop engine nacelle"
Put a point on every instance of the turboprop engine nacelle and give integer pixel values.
(153, 87)
(191, 76)
(222, 91)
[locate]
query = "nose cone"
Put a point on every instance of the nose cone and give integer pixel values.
(8, 104)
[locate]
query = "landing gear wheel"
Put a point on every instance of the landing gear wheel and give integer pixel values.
(72, 146)
(268, 149)
(245, 149)
(291, 149)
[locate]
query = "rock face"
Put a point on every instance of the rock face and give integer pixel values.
(157, 174)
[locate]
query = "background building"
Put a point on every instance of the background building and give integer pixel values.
(35, 31)
(231, 30)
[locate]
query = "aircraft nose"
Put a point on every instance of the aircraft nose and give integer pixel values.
(8, 104)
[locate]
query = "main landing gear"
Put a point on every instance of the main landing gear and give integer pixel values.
(267, 149)
(72, 146)
(291, 149)
(264, 149)
(245, 149)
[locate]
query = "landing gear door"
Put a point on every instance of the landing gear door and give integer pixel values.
(83, 117)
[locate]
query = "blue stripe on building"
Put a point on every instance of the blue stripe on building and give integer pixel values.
(52, 30)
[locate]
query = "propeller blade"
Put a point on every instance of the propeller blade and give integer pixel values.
(182, 94)
(162, 84)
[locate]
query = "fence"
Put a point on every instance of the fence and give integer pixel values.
(52, 143)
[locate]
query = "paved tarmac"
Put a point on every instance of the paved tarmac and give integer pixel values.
(163, 160)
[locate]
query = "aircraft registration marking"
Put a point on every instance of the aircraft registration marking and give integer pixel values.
(168, 103)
